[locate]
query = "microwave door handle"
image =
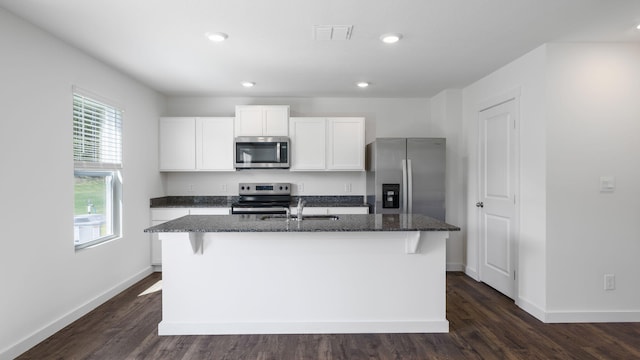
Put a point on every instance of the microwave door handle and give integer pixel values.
(278, 152)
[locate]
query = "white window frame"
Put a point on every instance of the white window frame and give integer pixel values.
(111, 171)
(113, 206)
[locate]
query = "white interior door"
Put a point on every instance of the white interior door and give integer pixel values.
(498, 187)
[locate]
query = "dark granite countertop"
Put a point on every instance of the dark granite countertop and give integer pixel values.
(226, 201)
(192, 201)
(253, 223)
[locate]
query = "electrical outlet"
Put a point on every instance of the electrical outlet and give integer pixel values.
(190, 188)
(347, 187)
(300, 188)
(223, 188)
(609, 282)
(607, 184)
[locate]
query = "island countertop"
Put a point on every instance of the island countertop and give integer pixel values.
(344, 223)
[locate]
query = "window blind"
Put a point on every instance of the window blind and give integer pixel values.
(97, 133)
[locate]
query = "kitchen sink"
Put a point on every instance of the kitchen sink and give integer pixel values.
(306, 217)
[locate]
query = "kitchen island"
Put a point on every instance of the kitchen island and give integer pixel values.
(261, 274)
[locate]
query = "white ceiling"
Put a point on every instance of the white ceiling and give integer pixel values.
(446, 44)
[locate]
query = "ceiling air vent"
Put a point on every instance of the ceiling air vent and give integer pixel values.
(332, 32)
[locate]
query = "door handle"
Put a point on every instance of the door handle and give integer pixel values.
(405, 197)
(480, 204)
(409, 187)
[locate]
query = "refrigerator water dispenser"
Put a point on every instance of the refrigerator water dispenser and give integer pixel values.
(391, 196)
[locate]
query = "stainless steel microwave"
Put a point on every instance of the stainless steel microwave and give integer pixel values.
(261, 152)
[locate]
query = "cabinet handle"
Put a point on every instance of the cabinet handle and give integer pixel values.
(480, 204)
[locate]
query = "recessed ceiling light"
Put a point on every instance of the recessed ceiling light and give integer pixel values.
(391, 38)
(638, 27)
(363, 84)
(248, 84)
(217, 36)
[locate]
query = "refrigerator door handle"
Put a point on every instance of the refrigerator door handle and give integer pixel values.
(409, 187)
(405, 197)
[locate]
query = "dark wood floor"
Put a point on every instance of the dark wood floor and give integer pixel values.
(483, 325)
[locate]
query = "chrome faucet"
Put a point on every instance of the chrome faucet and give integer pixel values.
(287, 211)
(300, 209)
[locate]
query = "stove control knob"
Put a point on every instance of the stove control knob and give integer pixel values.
(280, 187)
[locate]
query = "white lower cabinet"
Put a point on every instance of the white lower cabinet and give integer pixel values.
(161, 215)
(210, 211)
(347, 210)
(339, 210)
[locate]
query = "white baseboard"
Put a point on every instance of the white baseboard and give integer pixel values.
(455, 267)
(472, 273)
(38, 336)
(358, 327)
(551, 317)
(591, 316)
(531, 308)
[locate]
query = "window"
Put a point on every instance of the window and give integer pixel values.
(97, 156)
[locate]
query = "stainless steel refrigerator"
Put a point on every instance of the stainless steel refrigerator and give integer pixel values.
(407, 175)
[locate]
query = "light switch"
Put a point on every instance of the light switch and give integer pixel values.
(607, 184)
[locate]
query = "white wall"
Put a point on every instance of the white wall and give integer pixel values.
(385, 117)
(446, 121)
(593, 130)
(45, 282)
(579, 114)
(525, 75)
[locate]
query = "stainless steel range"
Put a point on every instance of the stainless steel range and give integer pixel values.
(262, 198)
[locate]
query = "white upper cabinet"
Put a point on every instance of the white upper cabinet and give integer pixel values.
(345, 143)
(327, 144)
(276, 121)
(214, 144)
(308, 143)
(177, 144)
(262, 120)
(196, 144)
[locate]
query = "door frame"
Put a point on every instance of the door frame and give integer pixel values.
(485, 105)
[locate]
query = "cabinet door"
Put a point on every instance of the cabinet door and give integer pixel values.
(249, 120)
(348, 210)
(177, 144)
(342, 210)
(210, 211)
(276, 121)
(214, 144)
(308, 143)
(310, 210)
(345, 144)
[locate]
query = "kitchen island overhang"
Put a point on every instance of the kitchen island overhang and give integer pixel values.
(238, 274)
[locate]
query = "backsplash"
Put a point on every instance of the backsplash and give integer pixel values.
(224, 201)
(348, 183)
